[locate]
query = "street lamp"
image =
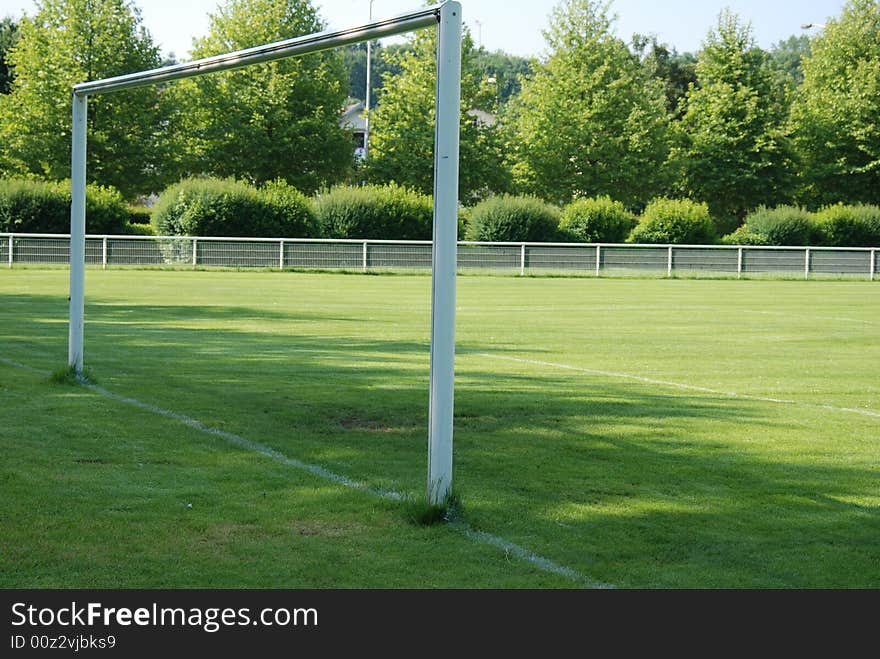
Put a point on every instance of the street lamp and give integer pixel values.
(367, 99)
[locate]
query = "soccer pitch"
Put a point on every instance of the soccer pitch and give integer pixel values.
(254, 430)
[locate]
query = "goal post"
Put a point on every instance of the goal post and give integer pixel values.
(447, 19)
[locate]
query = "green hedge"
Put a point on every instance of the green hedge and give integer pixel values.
(44, 207)
(783, 225)
(383, 212)
(226, 207)
(596, 220)
(850, 226)
(676, 222)
(506, 218)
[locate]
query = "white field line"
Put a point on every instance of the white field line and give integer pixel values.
(509, 548)
(677, 385)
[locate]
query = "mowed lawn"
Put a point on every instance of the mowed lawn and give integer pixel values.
(635, 433)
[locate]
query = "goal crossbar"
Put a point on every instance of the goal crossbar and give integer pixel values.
(447, 18)
(309, 43)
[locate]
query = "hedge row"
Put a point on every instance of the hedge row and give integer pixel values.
(835, 226)
(227, 207)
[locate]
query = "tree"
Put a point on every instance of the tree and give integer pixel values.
(356, 64)
(836, 114)
(677, 71)
(507, 70)
(732, 147)
(402, 127)
(8, 37)
(591, 121)
(786, 60)
(267, 121)
(71, 41)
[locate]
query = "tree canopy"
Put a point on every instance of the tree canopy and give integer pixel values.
(402, 127)
(591, 121)
(71, 41)
(266, 121)
(732, 148)
(836, 113)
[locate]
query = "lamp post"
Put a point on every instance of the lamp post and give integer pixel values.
(367, 99)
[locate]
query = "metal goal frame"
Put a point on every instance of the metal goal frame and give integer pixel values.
(447, 18)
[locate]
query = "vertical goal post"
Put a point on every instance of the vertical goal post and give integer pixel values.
(446, 17)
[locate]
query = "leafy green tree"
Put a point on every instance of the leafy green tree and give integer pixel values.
(507, 70)
(71, 41)
(786, 60)
(836, 115)
(591, 121)
(8, 37)
(677, 71)
(267, 121)
(401, 146)
(356, 64)
(732, 146)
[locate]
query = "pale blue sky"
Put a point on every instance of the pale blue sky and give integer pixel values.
(511, 25)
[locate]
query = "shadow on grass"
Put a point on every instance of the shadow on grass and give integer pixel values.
(627, 482)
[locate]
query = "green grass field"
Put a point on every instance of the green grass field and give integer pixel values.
(636, 433)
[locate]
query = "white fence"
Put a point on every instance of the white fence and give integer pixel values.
(512, 258)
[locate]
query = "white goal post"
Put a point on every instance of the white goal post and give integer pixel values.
(447, 18)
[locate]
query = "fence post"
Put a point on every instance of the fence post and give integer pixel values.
(522, 260)
(669, 263)
(807, 264)
(104, 253)
(598, 259)
(365, 256)
(195, 252)
(739, 262)
(873, 260)
(11, 242)
(281, 255)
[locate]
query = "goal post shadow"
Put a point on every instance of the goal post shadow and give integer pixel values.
(447, 19)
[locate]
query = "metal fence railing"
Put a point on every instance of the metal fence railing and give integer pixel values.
(513, 258)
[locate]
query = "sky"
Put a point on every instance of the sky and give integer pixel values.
(514, 26)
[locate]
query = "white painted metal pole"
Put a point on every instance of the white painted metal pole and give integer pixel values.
(669, 263)
(873, 260)
(598, 259)
(364, 255)
(195, 254)
(104, 253)
(281, 255)
(807, 264)
(445, 261)
(739, 262)
(522, 260)
(12, 242)
(77, 233)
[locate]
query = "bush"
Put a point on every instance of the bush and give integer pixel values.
(783, 225)
(850, 226)
(506, 218)
(44, 207)
(384, 212)
(676, 222)
(597, 220)
(226, 207)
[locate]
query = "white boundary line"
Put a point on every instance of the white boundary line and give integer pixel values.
(542, 563)
(676, 385)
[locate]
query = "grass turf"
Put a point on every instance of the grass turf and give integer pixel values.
(559, 447)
